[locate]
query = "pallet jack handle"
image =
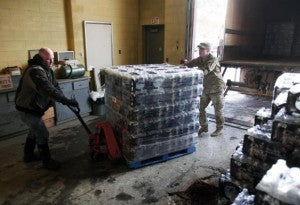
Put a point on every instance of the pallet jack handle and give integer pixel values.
(76, 111)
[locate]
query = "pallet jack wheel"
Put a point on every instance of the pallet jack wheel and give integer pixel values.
(103, 137)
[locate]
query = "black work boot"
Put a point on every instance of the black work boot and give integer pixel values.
(29, 155)
(48, 162)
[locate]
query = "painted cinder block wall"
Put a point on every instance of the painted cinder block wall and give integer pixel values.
(30, 24)
(124, 16)
(175, 26)
(172, 14)
(57, 24)
(148, 9)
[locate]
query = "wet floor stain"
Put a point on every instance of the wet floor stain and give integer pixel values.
(9, 166)
(6, 202)
(233, 138)
(97, 192)
(147, 192)
(138, 185)
(199, 193)
(150, 191)
(33, 184)
(124, 197)
(61, 184)
(111, 180)
(70, 147)
(150, 200)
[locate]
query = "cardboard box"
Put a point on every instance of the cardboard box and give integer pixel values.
(247, 170)
(50, 122)
(263, 198)
(261, 148)
(48, 114)
(5, 82)
(48, 118)
(15, 70)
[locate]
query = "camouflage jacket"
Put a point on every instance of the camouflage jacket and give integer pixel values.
(213, 81)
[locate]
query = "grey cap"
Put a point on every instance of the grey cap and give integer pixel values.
(204, 45)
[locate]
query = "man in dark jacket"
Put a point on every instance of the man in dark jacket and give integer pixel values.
(36, 92)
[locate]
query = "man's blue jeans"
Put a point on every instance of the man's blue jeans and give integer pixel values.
(37, 128)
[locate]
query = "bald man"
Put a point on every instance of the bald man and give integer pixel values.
(36, 92)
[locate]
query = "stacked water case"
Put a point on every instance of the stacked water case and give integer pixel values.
(153, 108)
(275, 135)
(280, 185)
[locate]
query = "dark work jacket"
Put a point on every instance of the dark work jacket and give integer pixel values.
(38, 88)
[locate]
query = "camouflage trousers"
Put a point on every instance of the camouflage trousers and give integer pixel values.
(218, 103)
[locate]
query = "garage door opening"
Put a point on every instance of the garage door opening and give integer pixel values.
(209, 26)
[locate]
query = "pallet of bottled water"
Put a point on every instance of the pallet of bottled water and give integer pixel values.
(153, 108)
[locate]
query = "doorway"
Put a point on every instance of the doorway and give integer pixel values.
(209, 24)
(154, 44)
(98, 49)
(98, 44)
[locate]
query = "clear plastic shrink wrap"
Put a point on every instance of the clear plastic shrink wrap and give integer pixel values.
(153, 108)
(281, 184)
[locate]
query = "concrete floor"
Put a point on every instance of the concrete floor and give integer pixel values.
(240, 108)
(81, 181)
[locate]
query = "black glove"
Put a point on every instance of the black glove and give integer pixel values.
(71, 102)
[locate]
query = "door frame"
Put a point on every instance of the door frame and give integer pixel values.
(145, 40)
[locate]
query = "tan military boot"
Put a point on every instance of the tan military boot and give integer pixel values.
(202, 130)
(217, 132)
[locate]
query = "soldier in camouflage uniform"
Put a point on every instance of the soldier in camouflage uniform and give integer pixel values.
(213, 88)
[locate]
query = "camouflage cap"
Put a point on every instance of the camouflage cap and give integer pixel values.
(204, 45)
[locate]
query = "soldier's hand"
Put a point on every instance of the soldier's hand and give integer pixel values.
(184, 61)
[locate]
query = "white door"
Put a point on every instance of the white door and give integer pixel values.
(98, 46)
